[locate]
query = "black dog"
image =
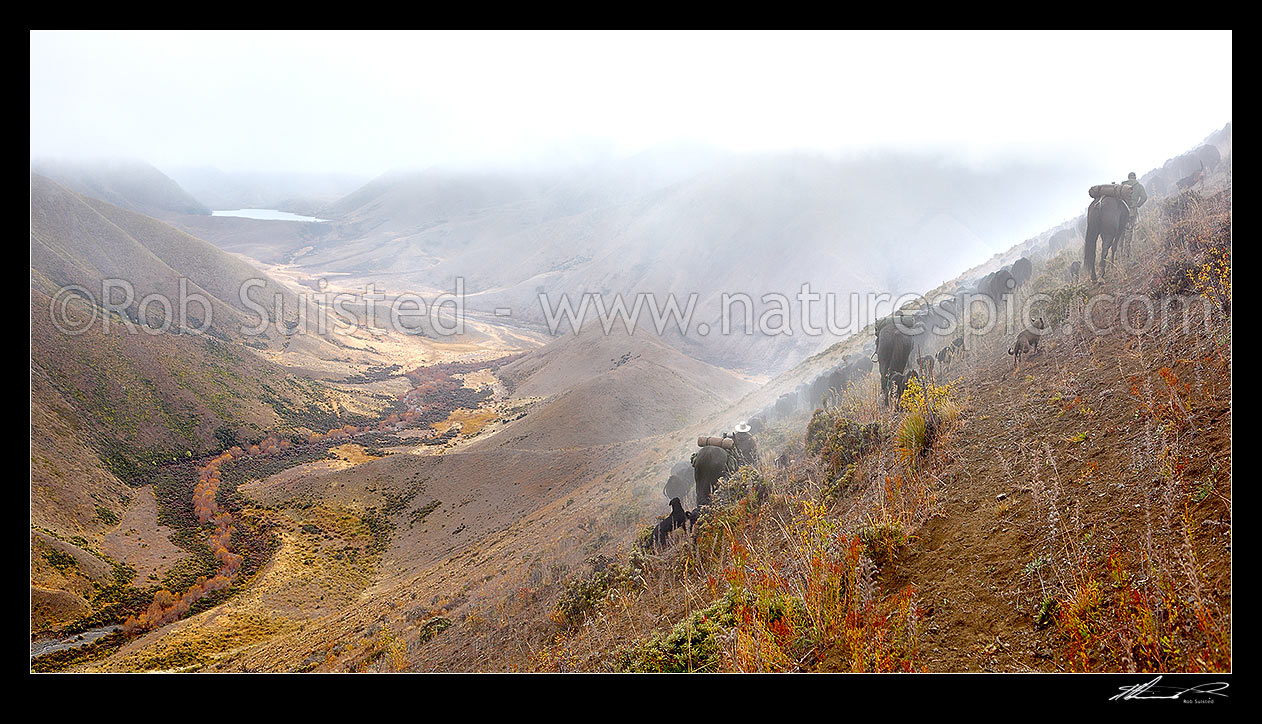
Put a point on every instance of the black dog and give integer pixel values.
(678, 519)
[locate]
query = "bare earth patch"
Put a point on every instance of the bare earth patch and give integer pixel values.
(140, 542)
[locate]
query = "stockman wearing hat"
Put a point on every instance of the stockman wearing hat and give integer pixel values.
(1138, 197)
(746, 448)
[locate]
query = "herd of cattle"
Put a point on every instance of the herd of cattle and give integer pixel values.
(907, 344)
(1177, 171)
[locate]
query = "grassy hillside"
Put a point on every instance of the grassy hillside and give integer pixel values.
(132, 185)
(1071, 514)
(114, 411)
(78, 240)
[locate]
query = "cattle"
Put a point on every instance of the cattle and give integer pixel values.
(679, 482)
(785, 405)
(1001, 283)
(1157, 183)
(863, 365)
(1061, 240)
(1191, 179)
(1022, 270)
(819, 389)
(1210, 156)
(894, 344)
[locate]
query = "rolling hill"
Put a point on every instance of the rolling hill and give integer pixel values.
(110, 408)
(128, 184)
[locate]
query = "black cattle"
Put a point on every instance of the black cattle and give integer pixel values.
(1061, 240)
(679, 482)
(1002, 283)
(1022, 270)
(894, 343)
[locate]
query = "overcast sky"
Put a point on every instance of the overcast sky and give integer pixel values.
(364, 103)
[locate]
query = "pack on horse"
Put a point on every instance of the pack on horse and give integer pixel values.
(720, 457)
(1107, 217)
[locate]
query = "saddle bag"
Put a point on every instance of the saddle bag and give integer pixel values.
(1101, 191)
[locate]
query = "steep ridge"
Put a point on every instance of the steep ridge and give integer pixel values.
(132, 185)
(1071, 514)
(77, 240)
(1064, 241)
(1090, 467)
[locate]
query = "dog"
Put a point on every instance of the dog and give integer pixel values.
(678, 519)
(1074, 270)
(1027, 341)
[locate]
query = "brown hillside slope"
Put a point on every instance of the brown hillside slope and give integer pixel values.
(469, 521)
(1062, 472)
(132, 185)
(110, 409)
(113, 407)
(80, 240)
(1073, 515)
(609, 388)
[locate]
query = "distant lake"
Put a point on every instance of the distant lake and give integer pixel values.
(266, 215)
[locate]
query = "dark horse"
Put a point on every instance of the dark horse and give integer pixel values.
(711, 464)
(1106, 219)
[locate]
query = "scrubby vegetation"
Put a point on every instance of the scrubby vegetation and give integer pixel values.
(1078, 507)
(584, 594)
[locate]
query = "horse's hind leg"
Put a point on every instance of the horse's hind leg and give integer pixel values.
(1088, 252)
(1107, 248)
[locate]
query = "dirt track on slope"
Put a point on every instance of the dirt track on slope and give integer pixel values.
(1051, 471)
